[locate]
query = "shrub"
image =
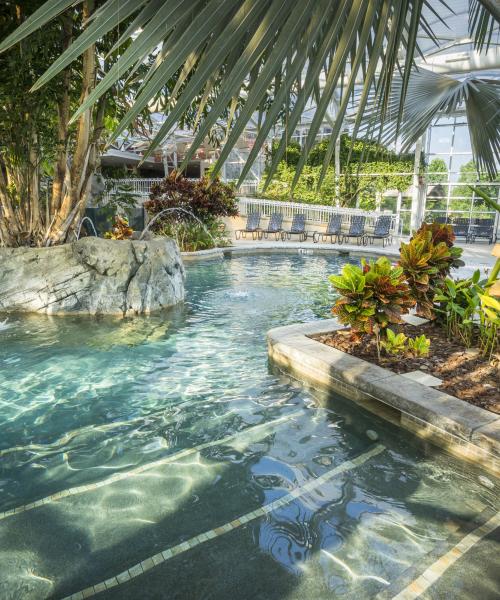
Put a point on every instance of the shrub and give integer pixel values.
(372, 296)
(202, 199)
(206, 200)
(458, 304)
(426, 262)
(191, 236)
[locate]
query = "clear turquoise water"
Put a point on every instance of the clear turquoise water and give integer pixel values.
(82, 400)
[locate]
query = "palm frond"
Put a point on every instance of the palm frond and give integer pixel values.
(273, 58)
(431, 94)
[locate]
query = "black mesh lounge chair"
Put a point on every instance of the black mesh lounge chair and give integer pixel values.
(483, 228)
(252, 226)
(274, 226)
(298, 228)
(382, 230)
(333, 229)
(462, 228)
(356, 230)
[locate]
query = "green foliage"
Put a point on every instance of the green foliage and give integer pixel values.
(356, 183)
(201, 199)
(292, 153)
(436, 166)
(191, 236)
(372, 296)
(306, 190)
(122, 199)
(394, 343)
(399, 344)
(426, 262)
(458, 304)
(418, 346)
(489, 325)
(356, 151)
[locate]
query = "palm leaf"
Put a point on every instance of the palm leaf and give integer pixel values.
(430, 94)
(268, 57)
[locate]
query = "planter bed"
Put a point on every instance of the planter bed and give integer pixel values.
(465, 374)
(465, 430)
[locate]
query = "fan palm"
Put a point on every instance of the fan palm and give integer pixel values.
(430, 94)
(270, 57)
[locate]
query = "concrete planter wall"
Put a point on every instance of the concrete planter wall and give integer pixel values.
(92, 276)
(464, 430)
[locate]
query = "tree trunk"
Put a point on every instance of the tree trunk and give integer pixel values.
(63, 113)
(76, 176)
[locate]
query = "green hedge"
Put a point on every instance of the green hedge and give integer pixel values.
(354, 182)
(351, 185)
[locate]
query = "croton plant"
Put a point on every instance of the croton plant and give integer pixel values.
(372, 296)
(426, 261)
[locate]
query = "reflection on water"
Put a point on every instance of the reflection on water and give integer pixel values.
(105, 402)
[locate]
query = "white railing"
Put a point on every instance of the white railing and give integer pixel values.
(142, 187)
(316, 213)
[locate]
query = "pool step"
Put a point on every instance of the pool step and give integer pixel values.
(159, 558)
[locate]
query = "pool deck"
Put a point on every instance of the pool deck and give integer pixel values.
(464, 430)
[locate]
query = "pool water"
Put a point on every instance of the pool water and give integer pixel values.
(162, 457)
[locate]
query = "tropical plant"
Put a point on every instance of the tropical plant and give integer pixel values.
(121, 229)
(204, 199)
(191, 235)
(458, 304)
(418, 346)
(426, 261)
(372, 296)
(242, 57)
(196, 210)
(493, 276)
(430, 94)
(489, 325)
(37, 145)
(394, 343)
(117, 198)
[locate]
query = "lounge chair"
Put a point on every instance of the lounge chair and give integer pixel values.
(462, 228)
(356, 230)
(252, 226)
(273, 227)
(483, 228)
(382, 230)
(333, 229)
(298, 228)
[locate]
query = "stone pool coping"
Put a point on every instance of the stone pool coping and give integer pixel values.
(463, 429)
(267, 247)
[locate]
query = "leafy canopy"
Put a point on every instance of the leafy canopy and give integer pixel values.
(271, 57)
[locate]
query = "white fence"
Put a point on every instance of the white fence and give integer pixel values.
(316, 213)
(142, 187)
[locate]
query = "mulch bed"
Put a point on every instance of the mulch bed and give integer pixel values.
(465, 374)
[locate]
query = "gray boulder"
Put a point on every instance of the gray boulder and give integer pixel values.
(92, 276)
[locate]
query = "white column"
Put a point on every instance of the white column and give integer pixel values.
(418, 189)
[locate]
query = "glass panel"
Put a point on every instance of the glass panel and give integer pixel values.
(389, 203)
(441, 139)
(460, 204)
(461, 142)
(463, 169)
(437, 191)
(437, 169)
(438, 204)
(435, 216)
